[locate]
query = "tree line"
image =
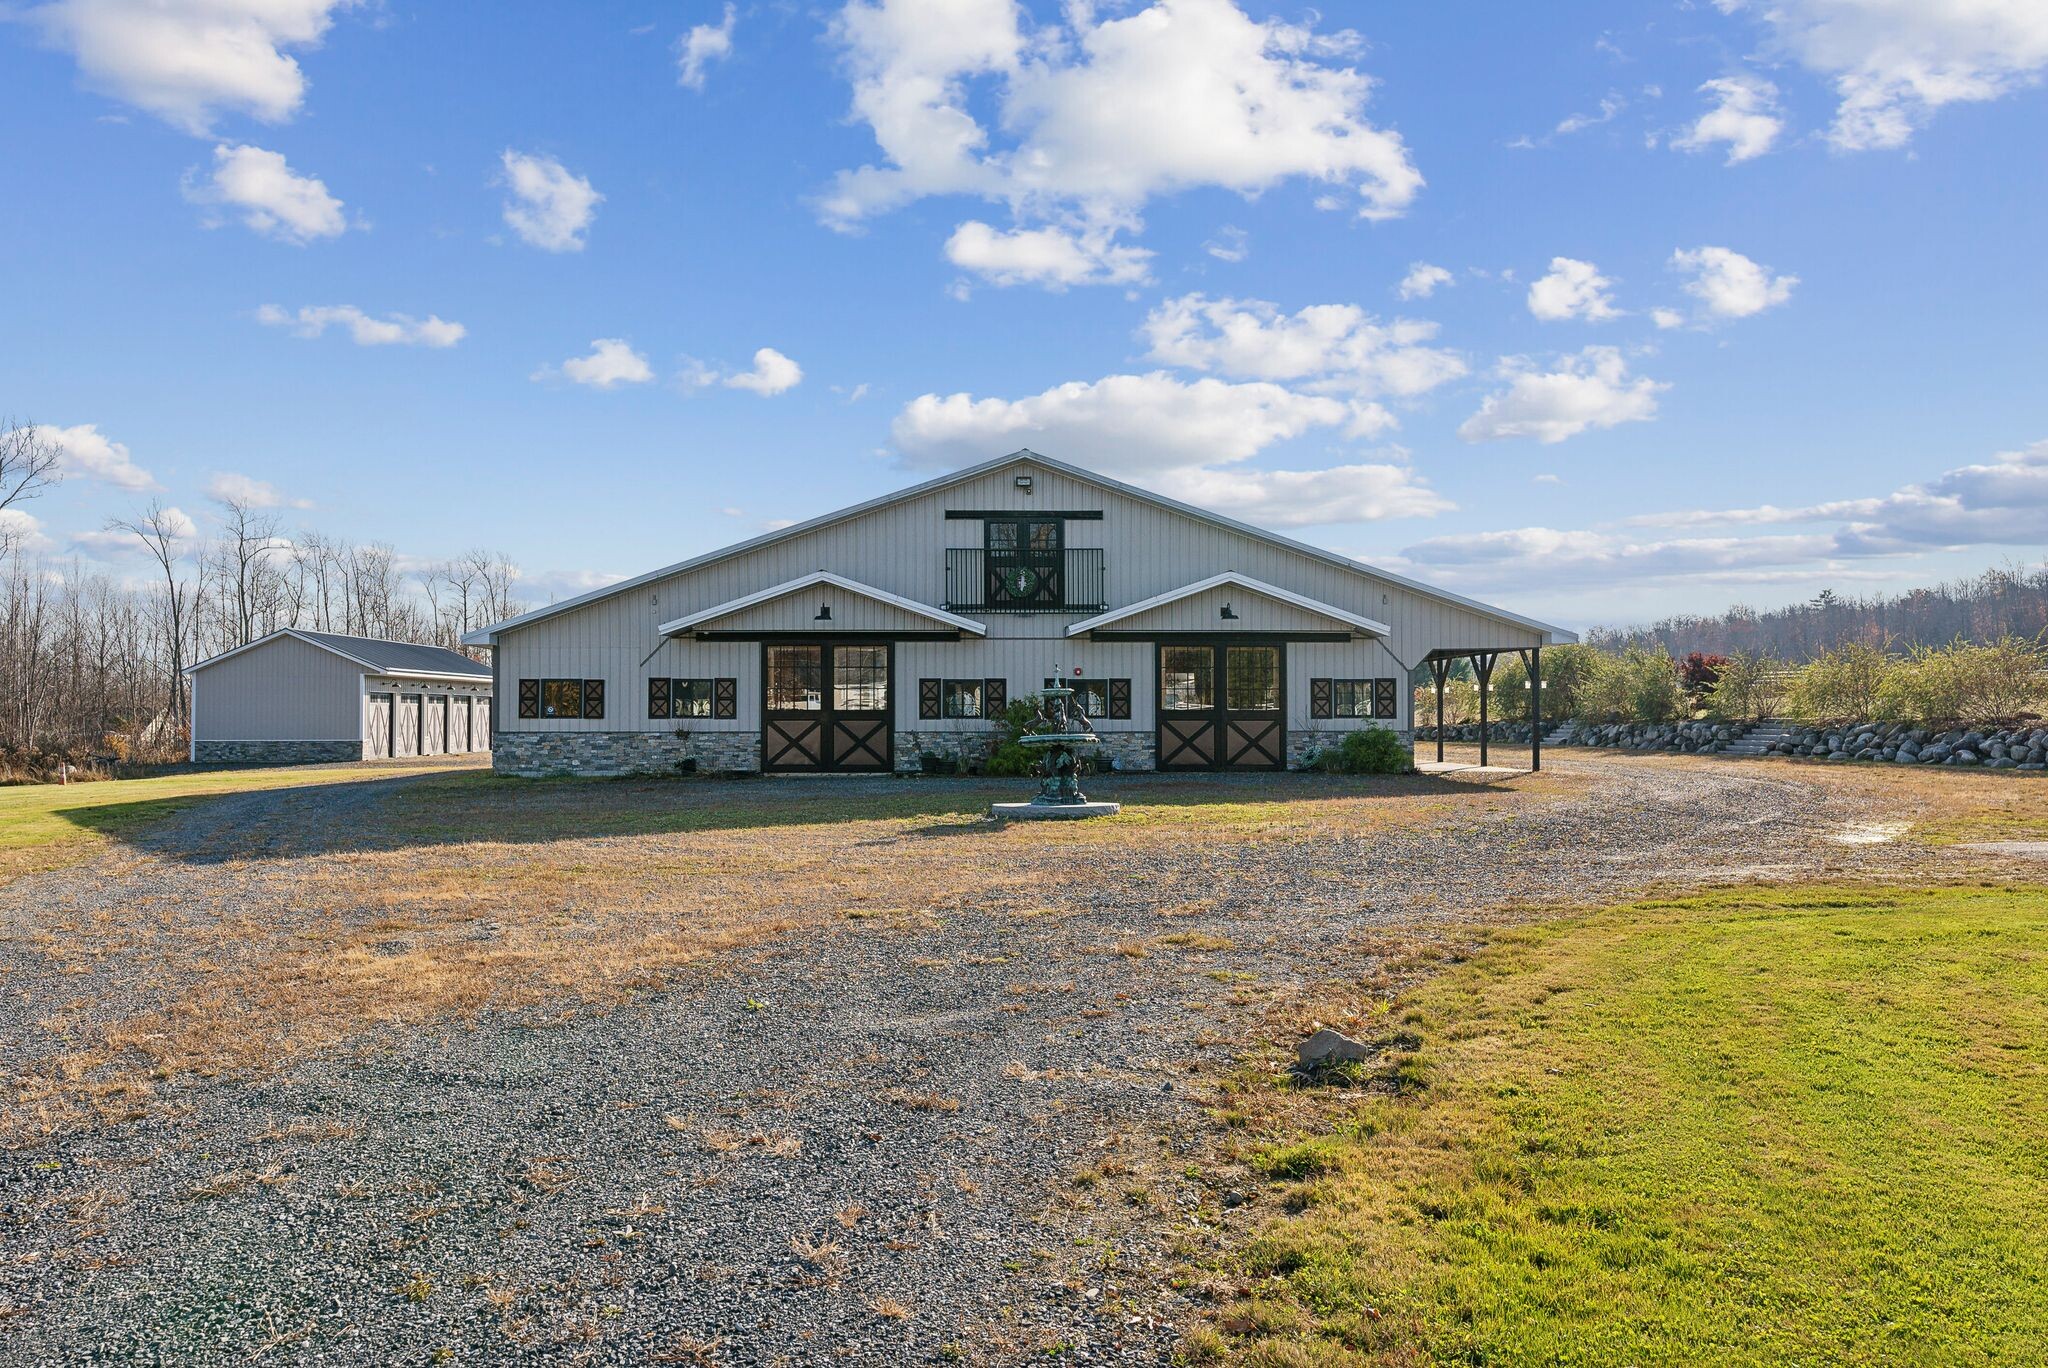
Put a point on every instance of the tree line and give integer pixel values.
(94, 665)
(2001, 603)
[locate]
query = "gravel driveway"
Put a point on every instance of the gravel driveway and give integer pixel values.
(933, 1138)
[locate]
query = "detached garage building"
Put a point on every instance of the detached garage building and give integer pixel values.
(297, 697)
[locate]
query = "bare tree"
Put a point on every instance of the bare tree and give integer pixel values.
(162, 532)
(29, 462)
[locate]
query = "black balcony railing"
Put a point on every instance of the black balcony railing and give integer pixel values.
(1025, 581)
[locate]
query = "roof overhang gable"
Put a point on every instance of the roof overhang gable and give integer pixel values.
(1355, 621)
(269, 637)
(705, 617)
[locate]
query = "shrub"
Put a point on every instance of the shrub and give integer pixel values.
(1840, 685)
(1699, 673)
(1510, 696)
(1636, 686)
(1568, 675)
(1750, 685)
(1368, 751)
(1964, 683)
(1010, 760)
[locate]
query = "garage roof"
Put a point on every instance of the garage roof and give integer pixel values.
(374, 654)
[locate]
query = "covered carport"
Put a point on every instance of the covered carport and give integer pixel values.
(1484, 662)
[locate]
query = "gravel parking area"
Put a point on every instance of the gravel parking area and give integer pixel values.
(953, 1133)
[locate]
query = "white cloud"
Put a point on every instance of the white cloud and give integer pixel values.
(228, 487)
(1187, 438)
(85, 450)
(1525, 555)
(1579, 123)
(395, 329)
(1667, 318)
(1728, 284)
(1573, 289)
(1590, 390)
(700, 47)
(1744, 116)
(551, 206)
(187, 61)
(1052, 257)
(1135, 425)
(612, 362)
(1422, 281)
(1229, 244)
(273, 199)
(1100, 116)
(175, 521)
(1299, 498)
(773, 374)
(1895, 62)
(2000, 503)
(21, 530)
(1332, 347)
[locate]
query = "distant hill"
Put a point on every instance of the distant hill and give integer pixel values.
(1998, 603)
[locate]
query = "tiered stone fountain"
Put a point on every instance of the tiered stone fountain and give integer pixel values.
(1058, 731)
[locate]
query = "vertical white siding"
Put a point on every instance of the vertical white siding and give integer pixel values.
(283, 690)
(1148, 550)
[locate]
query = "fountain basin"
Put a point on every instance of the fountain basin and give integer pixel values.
(1059, 794)
(1052, 812)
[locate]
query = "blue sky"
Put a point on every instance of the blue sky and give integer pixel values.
(1730, 301)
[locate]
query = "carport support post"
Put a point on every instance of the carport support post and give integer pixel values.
(1482, 665)
(1440, 670)
(1533, 660)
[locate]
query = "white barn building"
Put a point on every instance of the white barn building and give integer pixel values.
(296, 697)
(871, 637)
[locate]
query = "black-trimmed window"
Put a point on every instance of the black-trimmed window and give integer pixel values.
(1373, 698)
(1351, 698)
(960, 697)
(560, 698)
(691, 697)
(1091, 696)
(1251, 678)
(1187, 678)
(668, 698)
(860, 678)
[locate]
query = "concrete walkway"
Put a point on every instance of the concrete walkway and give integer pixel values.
(1469, 771)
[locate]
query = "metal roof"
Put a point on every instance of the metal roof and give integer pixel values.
(374, 654)
(485, 636)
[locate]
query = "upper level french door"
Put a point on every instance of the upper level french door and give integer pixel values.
(1222, 705)
(825, 706)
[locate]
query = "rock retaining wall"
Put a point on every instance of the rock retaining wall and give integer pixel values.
(2021, 746)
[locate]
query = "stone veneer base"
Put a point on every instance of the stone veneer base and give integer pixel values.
(539, 755)
(277, 752)
(600, 754)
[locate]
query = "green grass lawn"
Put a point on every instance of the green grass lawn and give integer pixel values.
(43, 826)
(1781, 1126)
